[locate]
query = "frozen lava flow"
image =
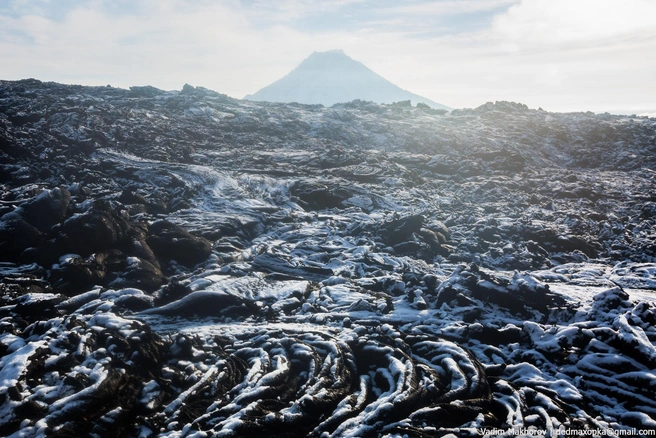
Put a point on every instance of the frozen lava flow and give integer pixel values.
(183, 264)
(331, 360)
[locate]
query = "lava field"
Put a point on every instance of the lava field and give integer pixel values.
(186, 264)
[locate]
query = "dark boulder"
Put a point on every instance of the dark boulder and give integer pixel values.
(39, 306)
(15, 236)
(98, 229)
(112, 268)
(402, 104)
(146, 91)
(172, 242)
(316, 196)
(401, 230)
(172, 291)
(47, 209)
(12, 148)
(519, 295)
(413, 248)
(141, 249)
(140, 274)
(74, 274)
(435, 240)
(208, 303)
(131, 197)
(552, 241)
(502, 106)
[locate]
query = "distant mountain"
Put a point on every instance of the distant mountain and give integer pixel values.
(333, 77)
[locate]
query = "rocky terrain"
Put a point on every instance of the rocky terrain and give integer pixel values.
(185, 264)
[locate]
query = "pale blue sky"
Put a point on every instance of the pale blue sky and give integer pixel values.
(561, 55)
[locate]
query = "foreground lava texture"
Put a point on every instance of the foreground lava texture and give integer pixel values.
(186, 264)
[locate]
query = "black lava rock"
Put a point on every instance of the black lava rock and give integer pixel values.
(172, 242)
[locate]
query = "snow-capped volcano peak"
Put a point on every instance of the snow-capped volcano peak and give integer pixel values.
(332, 59)
(332, 77)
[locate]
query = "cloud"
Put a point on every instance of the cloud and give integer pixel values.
(558, 54)
(576, 23)
(447, 7)
(286, 11)
(152, 43)
(166, 43)
(579, 53)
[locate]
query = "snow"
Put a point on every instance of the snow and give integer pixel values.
(536, 296)
(13, 365)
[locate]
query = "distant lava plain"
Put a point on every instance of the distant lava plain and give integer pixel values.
(181, 263)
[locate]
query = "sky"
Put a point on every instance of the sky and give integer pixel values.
(560, 55)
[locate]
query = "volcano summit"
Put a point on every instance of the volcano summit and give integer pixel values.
(333, 77)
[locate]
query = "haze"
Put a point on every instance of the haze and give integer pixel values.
(561, 55)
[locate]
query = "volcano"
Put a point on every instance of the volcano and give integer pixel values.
(333, 77)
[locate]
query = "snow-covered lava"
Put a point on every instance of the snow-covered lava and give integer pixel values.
(184, 264)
